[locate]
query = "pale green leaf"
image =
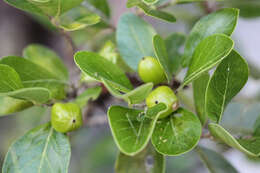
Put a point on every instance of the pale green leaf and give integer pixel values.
(132, 128)
(90, 93)
(78, 18)
(9, 79)
(177, 134)
(248, 146)
(223, 21)
(228, 79)
(40, 150)
(207, 54)
(199, 90)
(47, 59)
(162, 56)
(214, 161)
(98, 67)
(45, 7)
(162, 15)
(148, 159)
(134, 39)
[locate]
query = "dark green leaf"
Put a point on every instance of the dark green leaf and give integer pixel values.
(228, 79)
(40, 150)
(90, 93)
(162, 56)
(157, 13)
(132, 128)
(173, 45)
(98, 67)
(177, 134)
(101, 5)
(222, 21)
(9, 79)
(11, 105)
(134, 39)
(45, 7)
(248, 146)
(148, 159)
(207, 54)
(214, 161)
(35, 95)
(199, 90)
(47, 59)
(78, 18)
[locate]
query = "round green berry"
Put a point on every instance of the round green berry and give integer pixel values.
(150, 70)
(66, 117)
(163, 94)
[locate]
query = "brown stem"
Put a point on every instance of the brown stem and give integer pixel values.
(69, 40)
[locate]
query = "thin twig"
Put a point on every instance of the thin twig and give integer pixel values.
(69, 40)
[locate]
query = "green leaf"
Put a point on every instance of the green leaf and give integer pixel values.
(148, 159)
(199, 90)
(134, 96)
(35, 95)
(45, 7)
(173, 45)
(257, 126)
(150, 2)
(228, 79)
(162, 15)
(132, 128)
(78, 18)
(248, 9)
(11, 105)
(139, 94)
(223, 21)
(27, 70)
(47, 59)
(162, 56)
(177, 134)
(33, 75)
(98, 67)
(248, 146)
(41, 150)
(90, 93)
(10, 80)
(132, 3)
(241, 118)
(207, 54)
(134, 39)
(214, 161)
(101, 5)
(109, 51)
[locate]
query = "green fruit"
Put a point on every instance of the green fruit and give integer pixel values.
(163, 94)
(150, 70)
(66, 117)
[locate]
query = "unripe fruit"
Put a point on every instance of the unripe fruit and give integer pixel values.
(66, 117)
(150, 70)
(163, 94)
